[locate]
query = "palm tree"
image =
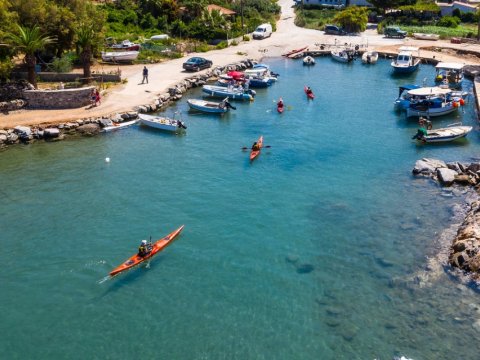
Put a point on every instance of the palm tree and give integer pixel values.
(85, 41)
(28, 41)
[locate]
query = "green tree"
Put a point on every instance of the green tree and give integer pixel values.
(86, 40)
(352, 19)
(28, 41)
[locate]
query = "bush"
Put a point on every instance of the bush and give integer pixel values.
(234, 43)
(246, 38)
(63, 64)
(449, 21)
(222, 45)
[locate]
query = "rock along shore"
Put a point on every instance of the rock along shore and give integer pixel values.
(465, 249)
(93, 126)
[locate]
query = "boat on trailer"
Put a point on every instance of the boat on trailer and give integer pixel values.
(119, 56)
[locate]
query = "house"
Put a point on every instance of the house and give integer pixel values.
(227, 13)
(447, 9)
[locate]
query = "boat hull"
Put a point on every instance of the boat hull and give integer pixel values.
(161, 123)
(158, 246)
(118, 126)
(120, 56)
(404, 69)
(431, 112)
(206, 106)
(218, 91)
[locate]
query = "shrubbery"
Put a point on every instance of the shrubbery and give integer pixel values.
(449, 21)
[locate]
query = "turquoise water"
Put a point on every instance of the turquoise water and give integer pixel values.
(313, 251)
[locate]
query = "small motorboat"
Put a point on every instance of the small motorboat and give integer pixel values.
(450, 133)
(210, 106)
(344, 56)
(309, 92)
(162, 123)
(308, 60)
(119, 56)
(229, 92)
(370, 57)
(423, 36)
(450, 75)
(406, 62)
(112, 126)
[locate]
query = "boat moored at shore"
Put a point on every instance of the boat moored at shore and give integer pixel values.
(162, 123)
(406, 62)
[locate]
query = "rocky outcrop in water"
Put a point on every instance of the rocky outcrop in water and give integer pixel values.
(465, 250)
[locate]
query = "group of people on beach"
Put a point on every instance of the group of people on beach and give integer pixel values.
(95, 97)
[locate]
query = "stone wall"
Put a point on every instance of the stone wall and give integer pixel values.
(68, 77)
(58, 99)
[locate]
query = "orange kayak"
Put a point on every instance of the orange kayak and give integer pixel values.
(255, 153)
(158, 246)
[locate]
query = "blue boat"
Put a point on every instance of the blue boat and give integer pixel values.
(405, 63)
(210, 106)
(408, 94)
(403, 100)
(231, 93)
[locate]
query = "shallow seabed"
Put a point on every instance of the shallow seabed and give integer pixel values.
(313, 251)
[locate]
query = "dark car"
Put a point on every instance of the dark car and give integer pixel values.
(196, 64)
(394, 32)
(334, 30)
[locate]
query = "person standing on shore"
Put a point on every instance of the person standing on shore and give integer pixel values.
(97, 97)
(145, 74)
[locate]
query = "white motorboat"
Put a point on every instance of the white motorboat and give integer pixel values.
(119, 56)
(210, 106)
(449, 74)
(406, 62)
(344, 56)
(450, 133)
(308, 60)
(120, 125)
(370, 57)
(162, 123)
(423, 36)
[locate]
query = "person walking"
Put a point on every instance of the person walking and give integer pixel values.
(145, 74)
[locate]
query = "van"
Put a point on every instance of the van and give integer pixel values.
(262, 31)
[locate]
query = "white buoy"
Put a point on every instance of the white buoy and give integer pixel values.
(107, 159)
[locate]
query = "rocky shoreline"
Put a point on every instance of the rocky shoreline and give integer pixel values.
(93, 126)
(464, 251)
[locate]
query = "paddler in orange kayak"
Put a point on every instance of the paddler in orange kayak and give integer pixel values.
(144, 248)
(255, 147)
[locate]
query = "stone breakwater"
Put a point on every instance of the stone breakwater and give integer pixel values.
(465, 249)
(92, 126)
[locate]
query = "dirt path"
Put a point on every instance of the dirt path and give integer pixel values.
(126, 96)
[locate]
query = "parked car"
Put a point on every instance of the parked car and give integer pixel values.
(262, 31)
(394, 32)
(197, 64)
(334, 30)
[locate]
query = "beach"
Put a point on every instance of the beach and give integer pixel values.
(126, 96)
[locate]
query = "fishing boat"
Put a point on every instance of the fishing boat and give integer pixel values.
(210, 106)
(157, 246)
(423, 36)
(431, 102)
(310, 94)
(308, 60)
(118, 125)
(370, 57)
(119, 56)
(406, 62)
(162, 123)
(231, 93)
(343, 56)
(406, 96)
(255, 153)
(449, 74)
(450, 133)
